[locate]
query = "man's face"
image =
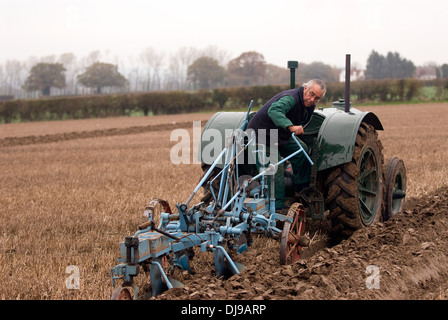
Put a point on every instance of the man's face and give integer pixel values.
(311, 95)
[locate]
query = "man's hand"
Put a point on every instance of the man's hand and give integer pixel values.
(298, 130)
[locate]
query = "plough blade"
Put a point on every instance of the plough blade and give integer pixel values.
(224, 265)
(241, 267)
(175, 283)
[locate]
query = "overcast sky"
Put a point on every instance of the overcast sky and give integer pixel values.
(281, 30)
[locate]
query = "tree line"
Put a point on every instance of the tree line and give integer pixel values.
(207, 71)
(393, 66)
(188, 69)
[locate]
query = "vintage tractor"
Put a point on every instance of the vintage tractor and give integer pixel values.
(350, 186)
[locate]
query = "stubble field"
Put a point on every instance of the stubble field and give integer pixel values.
(70, 191)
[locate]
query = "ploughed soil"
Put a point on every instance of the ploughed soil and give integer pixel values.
(403, 258)
(71, 135)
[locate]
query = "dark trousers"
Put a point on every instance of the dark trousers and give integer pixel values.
(300, 167)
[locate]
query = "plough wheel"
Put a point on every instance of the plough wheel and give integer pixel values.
(121, 293)
(290, 243)
(155, 208)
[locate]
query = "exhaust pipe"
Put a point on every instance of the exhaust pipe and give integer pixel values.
(347, 83)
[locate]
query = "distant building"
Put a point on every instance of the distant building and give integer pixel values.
(427, 72)
(355, 75)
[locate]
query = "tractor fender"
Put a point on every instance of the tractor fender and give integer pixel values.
(337, 135)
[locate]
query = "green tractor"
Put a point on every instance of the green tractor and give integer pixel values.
(351, 185)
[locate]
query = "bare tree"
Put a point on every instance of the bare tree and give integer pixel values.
(68, 60)
(2, 81)
(133, 74)
(179, 63)
(152, 62)
(94, 56)
(222, 56)
(14, 75)
(48, 59)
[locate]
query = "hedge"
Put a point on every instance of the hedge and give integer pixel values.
(175, 102)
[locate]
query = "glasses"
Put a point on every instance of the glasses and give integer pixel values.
(313, 96)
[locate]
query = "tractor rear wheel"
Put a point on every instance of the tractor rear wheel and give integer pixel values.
(354, 190)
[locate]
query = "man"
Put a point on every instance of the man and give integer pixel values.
(287, 112)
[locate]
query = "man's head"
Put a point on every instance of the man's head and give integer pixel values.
(313, 91)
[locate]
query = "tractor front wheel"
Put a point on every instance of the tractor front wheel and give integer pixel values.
(394, 187)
